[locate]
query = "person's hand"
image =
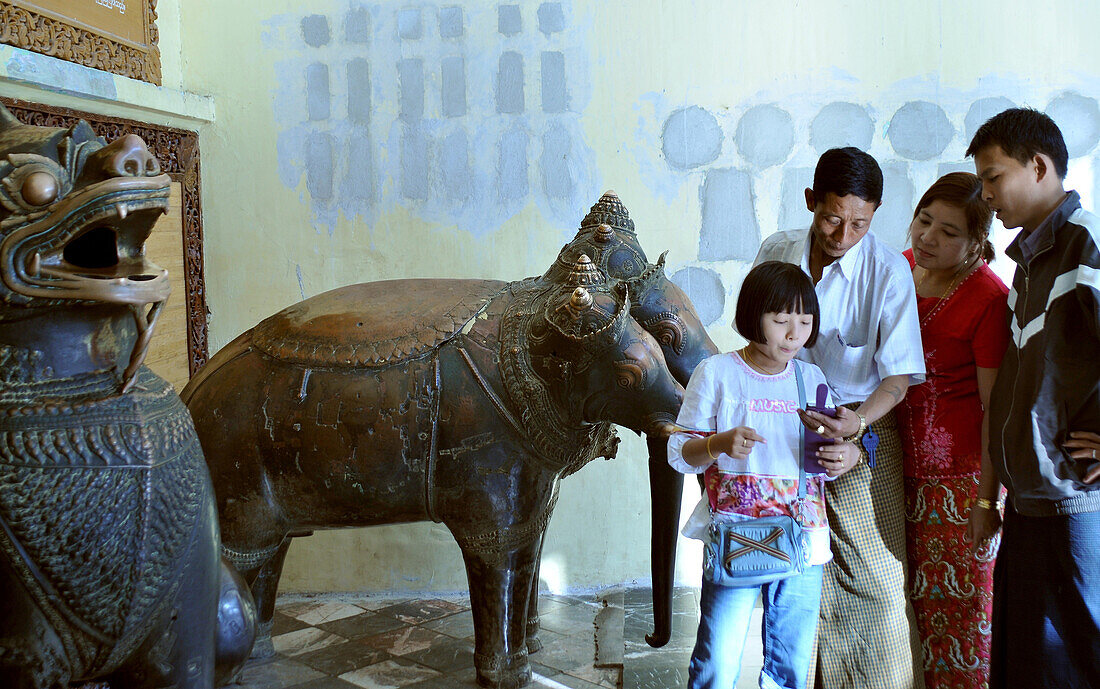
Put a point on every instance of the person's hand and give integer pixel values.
(845, 424)
(736, 442)
(837, 458)
(983, 525)
(1085, 446)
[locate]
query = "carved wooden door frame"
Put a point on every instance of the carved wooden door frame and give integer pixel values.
(178, 153)
(27, 28)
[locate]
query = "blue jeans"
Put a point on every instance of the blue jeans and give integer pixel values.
(790, 623)
(1046, 603)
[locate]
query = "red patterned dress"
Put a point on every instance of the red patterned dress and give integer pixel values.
(940, 423)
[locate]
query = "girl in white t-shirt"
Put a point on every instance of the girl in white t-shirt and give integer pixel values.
(742, 408)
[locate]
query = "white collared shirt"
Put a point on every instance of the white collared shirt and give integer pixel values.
(869, 326)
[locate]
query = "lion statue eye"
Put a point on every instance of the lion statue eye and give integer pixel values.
(40, 188)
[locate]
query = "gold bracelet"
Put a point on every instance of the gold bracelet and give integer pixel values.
(987, 504)
(862, 428)
(709, 454)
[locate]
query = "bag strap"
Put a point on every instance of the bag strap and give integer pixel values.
(801, 431)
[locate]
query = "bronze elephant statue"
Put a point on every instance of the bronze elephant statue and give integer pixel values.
(458, 401)
(109, 556)
(608, 236)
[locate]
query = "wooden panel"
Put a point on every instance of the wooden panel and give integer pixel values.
(118, 36)
(168, 354)
(119, 19)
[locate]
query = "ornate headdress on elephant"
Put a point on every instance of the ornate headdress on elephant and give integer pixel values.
(74, 216)
(578, 331)
(607, 236)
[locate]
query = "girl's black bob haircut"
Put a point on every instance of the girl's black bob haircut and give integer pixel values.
(775, 287)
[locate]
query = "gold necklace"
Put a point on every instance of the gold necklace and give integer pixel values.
(946, 294)
(746, 354)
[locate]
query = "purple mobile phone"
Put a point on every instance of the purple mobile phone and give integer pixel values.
(813, 440)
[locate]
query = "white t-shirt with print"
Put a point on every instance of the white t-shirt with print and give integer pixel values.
(724, 393)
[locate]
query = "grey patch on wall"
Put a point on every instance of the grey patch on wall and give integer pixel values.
(705, 290)
(315, 31)
(401, 100)
(920, 130)
(414, 163)
(551, 18)
(691, 138)
(357, 25)
(555, 97)
(319, 165)
(454, 166)
(318, 96)
(892, 219)
(557, 175)
(509, 20)
(838, 125)
(963, 166)
(729, 229)
(453, 87)
(410, 26)
(765, 135)
(510, 83)
(512, 169)
(1079, 119)
(981, 110)
(450, 22)
(358, 181)
(792, 200)
(410, 81)
(359, 102)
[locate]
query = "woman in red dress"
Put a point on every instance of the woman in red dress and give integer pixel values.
(951, 492)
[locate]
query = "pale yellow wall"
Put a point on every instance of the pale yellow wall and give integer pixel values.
(635, 62)
(644, 59)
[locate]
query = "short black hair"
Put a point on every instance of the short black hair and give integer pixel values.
(846, 171)
(1022, 133)
(775, 287)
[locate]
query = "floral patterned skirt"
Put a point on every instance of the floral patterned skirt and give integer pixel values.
(951, 589)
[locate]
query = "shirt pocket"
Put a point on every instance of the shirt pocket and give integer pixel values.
(851, 361)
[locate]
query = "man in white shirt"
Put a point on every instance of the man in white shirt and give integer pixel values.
(870, 351)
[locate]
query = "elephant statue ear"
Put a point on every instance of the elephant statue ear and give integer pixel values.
(585, 309)
(653, 274)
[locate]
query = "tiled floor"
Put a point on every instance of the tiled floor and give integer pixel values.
(371, 642)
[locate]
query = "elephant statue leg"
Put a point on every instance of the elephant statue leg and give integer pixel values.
(534, 643)
(500, 585)
(262, 576)
(666, 489)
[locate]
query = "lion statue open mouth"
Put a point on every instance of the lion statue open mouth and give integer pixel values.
(75, 212)
(74, 216)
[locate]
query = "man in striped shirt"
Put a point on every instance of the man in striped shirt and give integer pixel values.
(1044, 410)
